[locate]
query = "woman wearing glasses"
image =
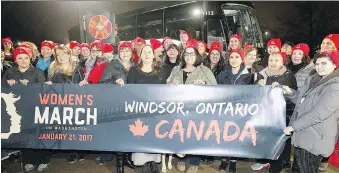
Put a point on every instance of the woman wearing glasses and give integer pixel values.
(191, 71)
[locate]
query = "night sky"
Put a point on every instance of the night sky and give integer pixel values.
(38, 21)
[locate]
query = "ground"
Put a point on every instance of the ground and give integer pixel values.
(59, 164)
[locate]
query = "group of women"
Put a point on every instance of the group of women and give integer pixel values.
(310, 84)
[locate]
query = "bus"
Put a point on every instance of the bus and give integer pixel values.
(204, 20)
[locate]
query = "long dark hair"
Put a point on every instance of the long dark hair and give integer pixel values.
(155, 65)
(220, 65)
(197, 62)
(177, 61)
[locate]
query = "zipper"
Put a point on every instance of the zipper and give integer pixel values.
(319, 133)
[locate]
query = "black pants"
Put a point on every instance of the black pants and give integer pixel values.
(305, 162)
(36, 157)
(286, 154)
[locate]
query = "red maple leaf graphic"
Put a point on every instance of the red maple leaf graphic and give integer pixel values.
(138, 129)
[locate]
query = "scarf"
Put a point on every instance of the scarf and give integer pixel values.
(42, 65)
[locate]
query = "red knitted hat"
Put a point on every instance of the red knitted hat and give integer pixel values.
(49, 44)
(334, 56)
(216, 46)
(334, 38)
(303, 47)
(275, 42)
(98, 43)
(84, 45)
(108, 48)
(192, 43)
(239, 51)
(155, 43)
(74, 44)
(20, 50)
(237, 36)
(139, 40)
(7, 40)
(125, 44)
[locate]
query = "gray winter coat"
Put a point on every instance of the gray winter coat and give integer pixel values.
(315, 118)
(303, 73)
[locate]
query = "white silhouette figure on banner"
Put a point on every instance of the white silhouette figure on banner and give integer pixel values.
(11, 110)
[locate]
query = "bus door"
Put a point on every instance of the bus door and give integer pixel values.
(215, 30)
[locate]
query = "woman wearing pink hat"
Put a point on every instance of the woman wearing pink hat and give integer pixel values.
(314, 121)
(8, 48)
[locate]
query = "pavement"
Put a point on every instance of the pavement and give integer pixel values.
(59, 164)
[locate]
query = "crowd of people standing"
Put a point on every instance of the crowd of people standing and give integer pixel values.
(311, 86)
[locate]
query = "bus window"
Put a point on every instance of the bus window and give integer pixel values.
(127, 27)
(215, 32)
(184, 17)
(150, 25)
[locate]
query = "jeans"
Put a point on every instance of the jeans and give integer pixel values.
(106, 157)
(193, 160)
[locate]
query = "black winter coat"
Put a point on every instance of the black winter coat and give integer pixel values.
(32, 74)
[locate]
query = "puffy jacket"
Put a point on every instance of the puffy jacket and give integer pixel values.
(316, 115)
(242, 78)
(303, 73)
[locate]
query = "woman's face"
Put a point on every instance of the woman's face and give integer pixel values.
(201, 49)
(234, 43)
(215, 57)
(287, 49)
(76, 51)
(183, 39)
(275, 62)
(327, 45)
(251, 57)
(85, 52)
(190, 56)
(7, 45)
(63, 57)
(96, 52)
(147, 55)
(167, 43)
(235, 60)
(324, 66)
(23, 60)
(125, 54)
(172, 53)
(46, 52)
(297, 57)
(272, 49)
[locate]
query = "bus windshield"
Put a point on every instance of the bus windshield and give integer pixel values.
(242, 20)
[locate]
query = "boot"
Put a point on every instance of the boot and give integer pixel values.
(233, 167)
(120, 163)
(323, 166)
(127, 160)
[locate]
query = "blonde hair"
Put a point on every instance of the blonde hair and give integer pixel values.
(56, 66)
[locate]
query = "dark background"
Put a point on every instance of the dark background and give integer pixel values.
(38, 21)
